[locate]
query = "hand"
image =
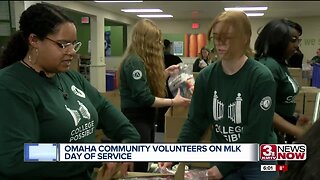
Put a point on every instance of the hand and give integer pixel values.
(214, 173)
(173, 69)
(202, 64)
(178, 100)
(165, 164)
(303, 120)
(303, 123)
(108, 170)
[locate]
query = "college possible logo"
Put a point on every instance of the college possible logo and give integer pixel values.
(265, 103)
(137, 74)
(77, 91)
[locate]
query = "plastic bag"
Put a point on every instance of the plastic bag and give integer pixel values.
(194, 174)
(183, 80)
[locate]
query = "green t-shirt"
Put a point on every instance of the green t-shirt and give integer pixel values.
(134, 87)
(315, 59)
(34, 110)
(287, 87)
(238, 107)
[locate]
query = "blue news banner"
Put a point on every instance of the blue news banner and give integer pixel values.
(191, 152)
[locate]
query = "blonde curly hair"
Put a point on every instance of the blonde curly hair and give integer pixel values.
(146, 43)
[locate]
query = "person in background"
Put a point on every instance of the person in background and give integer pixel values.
(143, 82)
(41, 101)
(169, 60)
(295, 61)
(316, 59)
(202, 61)
(309, 168)
(238, 93)
(273, 53)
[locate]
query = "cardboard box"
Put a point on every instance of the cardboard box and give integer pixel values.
(307, 99)
(309, 102)
(299, 102)
(297, 75)
(295, 72)
(174, 120)
(179, 174)
(113, 97)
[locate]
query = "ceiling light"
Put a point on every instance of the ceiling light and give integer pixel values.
(141, 10)
(255, 14)
(246, 9)
(154, 15)
(115, 1)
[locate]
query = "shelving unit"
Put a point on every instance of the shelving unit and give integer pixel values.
(84, 66)
(5, 23)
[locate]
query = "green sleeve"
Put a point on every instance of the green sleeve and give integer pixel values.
(134, 71)
(113, 123)
(259, 126)
(19, 125)
(197, 121)
(196, 67)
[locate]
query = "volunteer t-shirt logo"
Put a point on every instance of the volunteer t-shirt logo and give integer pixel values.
(137, 74)
(77, 91)
(265, 103)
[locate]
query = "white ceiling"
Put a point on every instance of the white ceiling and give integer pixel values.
(199, 10)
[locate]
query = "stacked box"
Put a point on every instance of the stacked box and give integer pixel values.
(174, 120)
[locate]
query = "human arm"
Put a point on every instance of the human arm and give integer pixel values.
(136, 81)
(285, 126)
(197, 121)
(196, 67)
(114, 123)
(178, 100)
(20, 124)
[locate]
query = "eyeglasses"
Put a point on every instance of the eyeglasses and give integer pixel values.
(221, 38)
(294, 39)
(76, 44)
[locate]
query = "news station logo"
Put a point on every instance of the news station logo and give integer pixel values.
(287, 152)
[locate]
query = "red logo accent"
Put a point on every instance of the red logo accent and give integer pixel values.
(268, 152)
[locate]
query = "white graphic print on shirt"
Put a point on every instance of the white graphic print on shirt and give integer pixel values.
(231, 133)
(86, 128)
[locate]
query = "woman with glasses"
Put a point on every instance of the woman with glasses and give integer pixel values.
(237, 93)
(275, 44)
(41, 101)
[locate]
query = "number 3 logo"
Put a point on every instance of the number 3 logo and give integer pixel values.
(267, 150)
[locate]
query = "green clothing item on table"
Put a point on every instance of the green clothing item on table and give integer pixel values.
(134, 86)
(238, 107)
(287, 87)
(34, 110)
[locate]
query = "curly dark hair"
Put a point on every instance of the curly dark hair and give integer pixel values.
(40, 19)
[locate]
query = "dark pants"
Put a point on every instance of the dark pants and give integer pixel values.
(143, 119)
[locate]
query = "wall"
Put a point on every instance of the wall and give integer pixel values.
(310, 37)
(83, 30)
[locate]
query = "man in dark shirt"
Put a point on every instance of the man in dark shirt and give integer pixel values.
(169, 59)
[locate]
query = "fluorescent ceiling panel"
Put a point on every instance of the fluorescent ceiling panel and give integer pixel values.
(154, 15)
(141, 10)
(117, 1)
(246, 9)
